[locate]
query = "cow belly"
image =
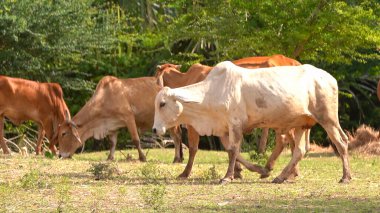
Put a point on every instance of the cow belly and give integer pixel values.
(18, 117)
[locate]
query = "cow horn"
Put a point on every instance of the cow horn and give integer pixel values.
(158, 67)
(160, 81)
(73, 124)
(67, 116)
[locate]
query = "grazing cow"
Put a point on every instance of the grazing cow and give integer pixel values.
(116, 103)
(168, 75)
(234, 100)
(43, 103)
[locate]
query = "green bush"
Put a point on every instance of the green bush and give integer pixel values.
(33, 180)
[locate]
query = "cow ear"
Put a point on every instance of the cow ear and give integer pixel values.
(185, 96)
(178, 67)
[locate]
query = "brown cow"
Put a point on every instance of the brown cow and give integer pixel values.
(43, 103)
(116, 103)
(168, 75)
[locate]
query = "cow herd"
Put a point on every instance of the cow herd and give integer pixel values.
(227, 101)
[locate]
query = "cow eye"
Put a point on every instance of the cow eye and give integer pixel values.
(162, 104)
(63, 134)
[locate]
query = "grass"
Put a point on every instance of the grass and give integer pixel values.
(38, 184)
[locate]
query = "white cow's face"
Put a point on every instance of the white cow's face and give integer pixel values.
(167, 111)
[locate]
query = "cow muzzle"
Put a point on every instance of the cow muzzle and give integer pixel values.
(159, 131)
(64, 155)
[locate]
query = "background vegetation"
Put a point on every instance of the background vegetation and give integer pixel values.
(76, 43)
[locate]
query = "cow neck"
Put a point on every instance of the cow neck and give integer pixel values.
(174, 79)
(202, 119)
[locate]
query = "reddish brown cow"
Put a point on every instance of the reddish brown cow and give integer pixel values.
(116, 103)
(168, 75)
(43, 103)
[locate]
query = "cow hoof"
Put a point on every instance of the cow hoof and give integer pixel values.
(142, 159)
(225, 181)
(7, 152)
(278, 180)
(182, 176)
(238, 175)
(110, 158)
(344, 180)
(264, 173)
(178, 160)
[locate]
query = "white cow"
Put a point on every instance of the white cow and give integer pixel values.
(234, 100)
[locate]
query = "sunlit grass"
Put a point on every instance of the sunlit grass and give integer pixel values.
(70, 186)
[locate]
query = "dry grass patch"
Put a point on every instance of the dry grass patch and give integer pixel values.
(365, 140)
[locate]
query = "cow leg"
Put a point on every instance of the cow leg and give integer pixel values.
(232, 155)
(52, 142)
(239, 159)
(307, 146)
(279, 146)
(233, 148)
(340, 140)
(2, 142)
(298, 153)
(193, 138)
(175, 134)
(263, 140)
(53, 148)
(131, 125)
(41, 134)
(295, 171)
(113, 142)
(237, 170)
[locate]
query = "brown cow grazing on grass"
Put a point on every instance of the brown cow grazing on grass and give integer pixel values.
(116, 103)
(170, 76)
(234, 100)
(22, 100)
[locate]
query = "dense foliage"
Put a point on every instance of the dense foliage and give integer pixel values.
(76, 43)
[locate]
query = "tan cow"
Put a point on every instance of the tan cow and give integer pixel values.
(22, 100)
(169, 75)
(234, 100)
(116, 103)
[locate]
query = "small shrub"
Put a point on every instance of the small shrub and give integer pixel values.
(210, 174)
(33, 180)
(49, 155)
(153, 195)
(150, 172)
(63, 193)
(250, 141)
(261, 159)
(104, 170)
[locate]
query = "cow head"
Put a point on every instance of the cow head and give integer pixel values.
(167, 111)
(68, 138)
(161, 69)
